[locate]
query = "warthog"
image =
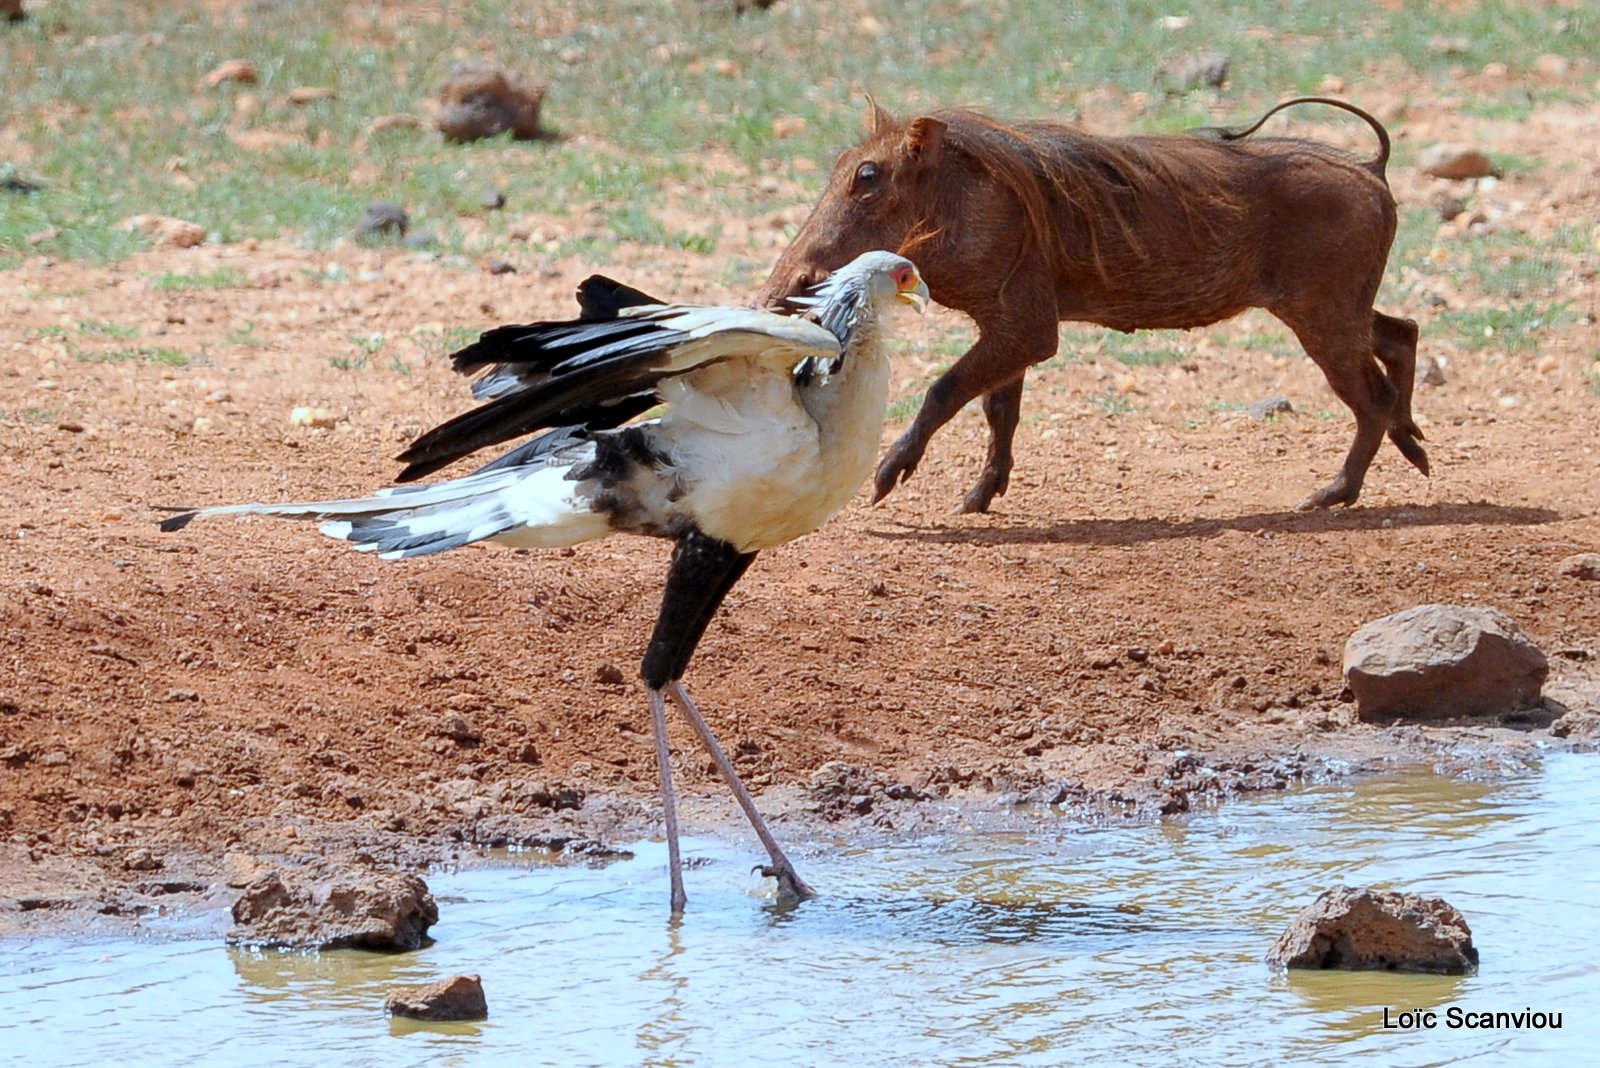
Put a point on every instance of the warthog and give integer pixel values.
(1023, 225)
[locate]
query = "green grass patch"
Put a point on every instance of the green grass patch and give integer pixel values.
(31, 416)
(1112, 402)
(654, 101)
(244, 336)
(159, 354)
(1512, 329)
(98, 328)
(221, 278)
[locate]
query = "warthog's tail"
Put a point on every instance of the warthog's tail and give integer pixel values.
(1377, 164)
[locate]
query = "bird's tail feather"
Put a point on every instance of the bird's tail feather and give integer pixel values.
(405, 521)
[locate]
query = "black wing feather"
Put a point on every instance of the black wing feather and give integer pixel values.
(600, 297)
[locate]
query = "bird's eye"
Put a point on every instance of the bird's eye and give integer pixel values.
(903, 278)
(866, 174)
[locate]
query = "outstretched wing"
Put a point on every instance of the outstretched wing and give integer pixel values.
(598, 372)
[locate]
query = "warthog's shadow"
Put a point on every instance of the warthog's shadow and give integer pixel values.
(1136, 531)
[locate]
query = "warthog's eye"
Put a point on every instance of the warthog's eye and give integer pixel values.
(866, 174)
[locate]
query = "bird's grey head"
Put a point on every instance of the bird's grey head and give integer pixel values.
(869, 284)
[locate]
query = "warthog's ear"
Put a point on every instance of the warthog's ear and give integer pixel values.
(878, 120)
(924, 139)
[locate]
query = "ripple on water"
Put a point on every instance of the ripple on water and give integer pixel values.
(1124, 945)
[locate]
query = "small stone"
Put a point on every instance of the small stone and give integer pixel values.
(786, 126)
(609, 675)
(1262, 410)
(420, 239)
(1552, 66)
(14, 183)
(1448, 206)
(318, 418)
(1371, 930)
(1455, 162)
(495, 265)
(493, 200)
(461, 730)
(239, 870)
(165, 231)
(310, 94)
(234, 70)
(458, 998)
(382, 217)
(1431, 373)
(1583, 566)
(481, 100)
(1546, 364)
(1195, 72)
(142, 860)
(384, 123)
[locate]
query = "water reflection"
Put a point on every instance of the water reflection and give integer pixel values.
(1125, 945)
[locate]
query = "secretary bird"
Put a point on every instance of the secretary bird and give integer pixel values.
(768, 425)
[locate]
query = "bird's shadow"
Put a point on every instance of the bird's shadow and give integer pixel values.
(1134, 531)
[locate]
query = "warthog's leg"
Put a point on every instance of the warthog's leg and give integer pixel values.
(1394, 342)
(1344, 349)
(1002, 408)
(993, 366)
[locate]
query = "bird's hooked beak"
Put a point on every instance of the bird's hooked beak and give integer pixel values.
(912, 289)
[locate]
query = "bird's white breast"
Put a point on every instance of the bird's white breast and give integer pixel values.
(765, 461)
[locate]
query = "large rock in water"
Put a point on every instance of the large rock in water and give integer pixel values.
(458, 998)
(365, 910)
(1439, 660)
(1377, 930)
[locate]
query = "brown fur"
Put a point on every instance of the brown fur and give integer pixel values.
(1025, 225)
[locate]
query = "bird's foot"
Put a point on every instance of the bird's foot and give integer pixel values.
(791, 888)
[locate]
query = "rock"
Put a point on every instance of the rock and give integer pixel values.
(382, 217)
(840, 789)
(1585, 566)
(461, 730)
(496, 265)
(1431, 373)
(481, 100)
(165, 231)
(239, 870)
(1439, 660)
(142, 860)
(609, 675)
(234, 70)
(1454, 161)
(310, 94)
(1448, 206)
(13, 183)
(1552, 66)
(364, 910)
(458, 998)
(12, 11)
(1262, 410)
(420, 239)
(395, 122)
(319, 418)
(493, 200)
(1377, 930)
(1195, 72)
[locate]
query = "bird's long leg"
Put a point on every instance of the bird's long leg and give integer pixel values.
(669, 803)
(791, 887)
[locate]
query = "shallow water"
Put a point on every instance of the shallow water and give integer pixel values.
(1123, 945)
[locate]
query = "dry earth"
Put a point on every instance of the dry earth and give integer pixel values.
(1144, 624)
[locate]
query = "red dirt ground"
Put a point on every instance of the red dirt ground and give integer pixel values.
(1143, 622)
